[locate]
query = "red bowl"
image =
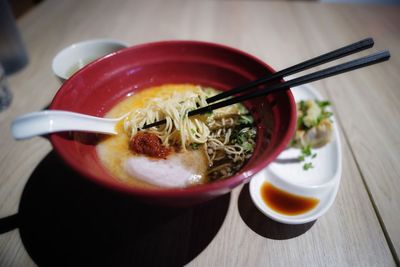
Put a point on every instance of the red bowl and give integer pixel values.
(99, 86)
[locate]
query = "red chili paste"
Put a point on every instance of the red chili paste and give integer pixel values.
(148, 144)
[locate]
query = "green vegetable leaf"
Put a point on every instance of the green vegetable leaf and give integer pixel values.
(307, 166)
(243, 136)
(306, 150)
(323, 104)
(292, 143)
(247, 146)
(245, 120)
(242, 109)
(324, 115)
(194, 146)
(300, 124)
(302, 105)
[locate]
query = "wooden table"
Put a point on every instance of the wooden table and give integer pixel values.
(64, 220)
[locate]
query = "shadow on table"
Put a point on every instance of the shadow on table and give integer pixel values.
(65, 220)
(264, 226)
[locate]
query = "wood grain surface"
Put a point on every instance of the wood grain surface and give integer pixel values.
(64, 221)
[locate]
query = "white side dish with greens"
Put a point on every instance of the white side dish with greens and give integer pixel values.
(314, 129)
(322, 180)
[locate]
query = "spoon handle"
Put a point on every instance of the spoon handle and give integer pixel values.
(50, 121)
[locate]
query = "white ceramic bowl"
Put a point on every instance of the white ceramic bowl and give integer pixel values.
(76, 56)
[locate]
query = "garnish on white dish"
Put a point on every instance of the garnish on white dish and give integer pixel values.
(285, 180)
(314, 129)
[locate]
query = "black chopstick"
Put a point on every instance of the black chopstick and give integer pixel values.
(333, 55)
(318, 75)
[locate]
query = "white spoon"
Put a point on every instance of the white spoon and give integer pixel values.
(51, 121)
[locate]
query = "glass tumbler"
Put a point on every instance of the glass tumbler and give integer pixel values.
(13, 55)
(5, 94)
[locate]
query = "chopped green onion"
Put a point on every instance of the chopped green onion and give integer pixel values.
(194, 146)
(307, 166)
(247, 146)
(302, 105)
(245, 120)
(242, 109)
(292, 143)
(323, 104)
(306, 150)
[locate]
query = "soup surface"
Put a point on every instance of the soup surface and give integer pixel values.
(229, 140)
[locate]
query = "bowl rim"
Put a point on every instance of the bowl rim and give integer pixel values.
(228, 184)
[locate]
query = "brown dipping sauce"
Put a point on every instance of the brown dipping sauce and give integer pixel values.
(148, 144)
(286, 203)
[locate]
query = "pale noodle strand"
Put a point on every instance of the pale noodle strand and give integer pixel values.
(179, 129)
(214, 133)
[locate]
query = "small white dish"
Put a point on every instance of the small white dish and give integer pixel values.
(74, 57)
(321, 182)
